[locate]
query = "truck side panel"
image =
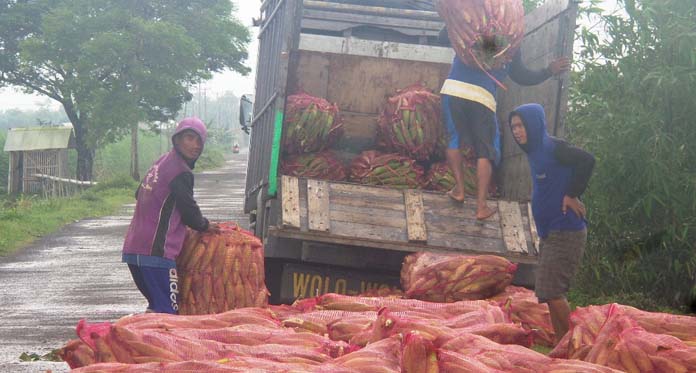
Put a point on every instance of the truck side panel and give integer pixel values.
(278, 34)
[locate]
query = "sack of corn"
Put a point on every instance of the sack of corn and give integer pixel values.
(221, 271)
(448, 278)
(383, 356)
(623, 345)
(418, 354)
(324, 165)
(410, 123)
(440, 178)
(393, 170)
(524, 308)
(586, 323)
(484, 33)
(474, 352)
(312, 124)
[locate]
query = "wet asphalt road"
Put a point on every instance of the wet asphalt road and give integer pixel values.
(77, 273)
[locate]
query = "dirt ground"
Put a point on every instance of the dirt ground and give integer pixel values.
(77, 273)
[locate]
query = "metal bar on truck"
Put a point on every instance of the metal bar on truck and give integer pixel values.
(419, 27)
(376, 10)
(270, 17)
(378, 49)
(263, 110)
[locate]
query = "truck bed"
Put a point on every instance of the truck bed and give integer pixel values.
(402, 220)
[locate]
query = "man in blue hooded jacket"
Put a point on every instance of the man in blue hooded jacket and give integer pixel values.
(560, 173)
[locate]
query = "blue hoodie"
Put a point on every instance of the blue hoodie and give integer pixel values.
(551, 179)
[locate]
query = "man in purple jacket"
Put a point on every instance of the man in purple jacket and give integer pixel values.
(165, 206)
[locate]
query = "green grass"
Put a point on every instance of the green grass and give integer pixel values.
(27, 218)
(542, 349)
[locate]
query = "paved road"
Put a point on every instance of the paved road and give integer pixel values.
(76, 273)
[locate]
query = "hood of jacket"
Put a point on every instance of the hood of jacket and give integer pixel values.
(534, 120)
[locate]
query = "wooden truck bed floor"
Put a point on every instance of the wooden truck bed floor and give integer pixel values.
(402, 220)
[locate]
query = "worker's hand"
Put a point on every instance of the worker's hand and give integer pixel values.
(213, 228)
(559, 66)
(575, 205)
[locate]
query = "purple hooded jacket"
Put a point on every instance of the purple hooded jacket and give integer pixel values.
(156, 233)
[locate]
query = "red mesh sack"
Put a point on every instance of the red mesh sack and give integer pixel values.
(311, 124)
(508, 358)
(347, 328)
(447, 278)
(586, 323)
(220, 271)
(410, 123)
(255, 316)
(393, 170)
(324, 165)
(380, 357)
(319, 321)
(524, 308)
(153, 345)
(389, 324)
(418, 354)
(484, 33)
(680, 326)
(383, 291)
(450, 361)
(442, 310)
(77, 354)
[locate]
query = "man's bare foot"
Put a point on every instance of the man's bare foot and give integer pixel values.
(485, 213)
(456, 196)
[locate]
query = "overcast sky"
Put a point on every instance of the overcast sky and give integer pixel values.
(227, 81)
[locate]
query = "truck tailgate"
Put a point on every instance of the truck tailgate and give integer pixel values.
(402, 220)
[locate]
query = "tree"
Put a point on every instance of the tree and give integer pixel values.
(632, 106)
(112, 64)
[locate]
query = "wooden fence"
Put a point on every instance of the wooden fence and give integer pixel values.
(53, 186)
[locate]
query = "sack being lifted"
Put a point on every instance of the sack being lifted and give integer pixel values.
(221, 271)
(484, 33)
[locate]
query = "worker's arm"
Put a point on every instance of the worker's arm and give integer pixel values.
(520, 74)
(443, 37)
(580, 161)
(182, 189)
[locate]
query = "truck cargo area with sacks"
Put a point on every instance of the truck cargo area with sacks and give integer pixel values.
(346, 172)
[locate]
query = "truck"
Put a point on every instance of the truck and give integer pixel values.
(340, 237)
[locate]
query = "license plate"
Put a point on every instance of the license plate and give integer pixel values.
(305, 281)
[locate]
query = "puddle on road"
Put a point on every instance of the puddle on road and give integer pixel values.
(104, 223)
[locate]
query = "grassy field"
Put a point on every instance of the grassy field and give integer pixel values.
(27, 218)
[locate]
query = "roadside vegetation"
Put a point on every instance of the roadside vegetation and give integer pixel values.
(26, 218)
(632, 107)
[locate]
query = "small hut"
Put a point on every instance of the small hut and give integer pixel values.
(37, 151)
